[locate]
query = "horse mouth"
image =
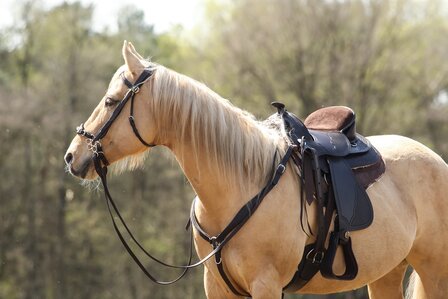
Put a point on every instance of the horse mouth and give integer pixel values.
(83, 170)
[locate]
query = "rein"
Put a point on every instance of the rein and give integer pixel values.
(217, 242)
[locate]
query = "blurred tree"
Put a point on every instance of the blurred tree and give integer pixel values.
(373, 56)
(384, 58)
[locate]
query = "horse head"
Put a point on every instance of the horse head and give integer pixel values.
(116, 129)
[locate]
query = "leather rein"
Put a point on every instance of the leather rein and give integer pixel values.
(217, 242)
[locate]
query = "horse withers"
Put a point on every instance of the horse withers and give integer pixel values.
(228, 157)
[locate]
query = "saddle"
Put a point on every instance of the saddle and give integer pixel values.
(336, 166)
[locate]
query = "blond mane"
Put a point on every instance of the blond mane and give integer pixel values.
(241, 147)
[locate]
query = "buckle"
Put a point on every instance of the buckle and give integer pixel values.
(80, 129)
(281, 168)
(95, 147)
(214, 242)
(344, 237)
(317, 258)
(135, 89)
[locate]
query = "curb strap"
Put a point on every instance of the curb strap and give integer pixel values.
(241, 217)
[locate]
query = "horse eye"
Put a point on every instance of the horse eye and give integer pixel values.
(110, 102)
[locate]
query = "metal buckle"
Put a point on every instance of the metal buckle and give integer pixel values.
(315, 259)
(135, 89)
(94, 146)
(80, 129)
(213, 242)
(325, 179)
(281, 168)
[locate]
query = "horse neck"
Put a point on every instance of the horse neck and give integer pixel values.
(219, 198)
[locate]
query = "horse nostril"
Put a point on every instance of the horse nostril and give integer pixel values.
(68, 158)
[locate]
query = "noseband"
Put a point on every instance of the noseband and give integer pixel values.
(94, 141)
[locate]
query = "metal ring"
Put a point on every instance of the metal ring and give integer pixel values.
(282, 168)
(213, 242)
(135, 89)
(218, 262)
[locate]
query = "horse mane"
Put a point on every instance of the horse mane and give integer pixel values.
(241, 147)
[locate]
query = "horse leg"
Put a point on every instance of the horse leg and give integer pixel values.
(415, 288)
(214, 289)
(389, 286)
(266, 286)
(431, 281)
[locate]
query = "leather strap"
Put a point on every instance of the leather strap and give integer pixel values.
(217, 246)
(102, 172)
(101, 163)
(241, 217)
(339, 238)
(314, 254)
(133, 90)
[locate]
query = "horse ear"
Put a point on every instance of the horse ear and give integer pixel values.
(132, 60)
(131, 46)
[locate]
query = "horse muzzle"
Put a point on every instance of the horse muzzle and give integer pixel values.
(79, 165)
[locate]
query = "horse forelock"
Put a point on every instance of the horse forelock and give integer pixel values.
(239, 146)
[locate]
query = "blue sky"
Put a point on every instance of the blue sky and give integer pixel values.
(163, 14)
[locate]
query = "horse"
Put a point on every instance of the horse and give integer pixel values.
(227, 157)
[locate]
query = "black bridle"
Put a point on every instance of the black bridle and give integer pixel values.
(100, 163)
(94, 140)
(217, 242)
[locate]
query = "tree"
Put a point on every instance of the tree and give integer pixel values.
(364, 54)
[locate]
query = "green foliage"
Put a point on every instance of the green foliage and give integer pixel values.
(386, 59)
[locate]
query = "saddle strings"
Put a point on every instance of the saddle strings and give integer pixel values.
(300, 163)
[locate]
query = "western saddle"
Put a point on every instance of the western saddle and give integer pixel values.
(336, 165)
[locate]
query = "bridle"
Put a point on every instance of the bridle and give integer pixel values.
(100, 163)
(94, 141)
(217, 242)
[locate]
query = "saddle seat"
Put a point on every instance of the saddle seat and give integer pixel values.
(334, 132)
(333, 119)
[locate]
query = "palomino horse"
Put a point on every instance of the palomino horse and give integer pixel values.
(227, 157)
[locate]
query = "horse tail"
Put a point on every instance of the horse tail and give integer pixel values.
(415, 288)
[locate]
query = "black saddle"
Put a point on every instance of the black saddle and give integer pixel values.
(336, 165)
